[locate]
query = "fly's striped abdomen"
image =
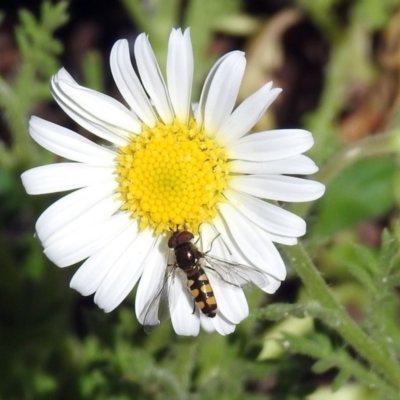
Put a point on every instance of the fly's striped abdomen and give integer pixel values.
(202, 292)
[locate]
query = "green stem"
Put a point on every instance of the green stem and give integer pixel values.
(344, 324)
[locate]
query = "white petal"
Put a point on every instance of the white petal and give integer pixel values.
(98, 108)
(239, 255)
(278, 187)
(78, 114)
(152, 79)
(288, 241)
(64, 75)
(212, 242)
(222, 325)
(223, 91)
(78, 245)
(92, 272)
(180, 72)
(71, 207)
(254, 242)
(206, 323)
(271, 145)
(267, 216)
(124, 274)
(70, 109)
(201, 107)
(152, 278)
(246, 115)
(272, 286)
(184, 321)
(231, 301)
(129, 84)
(217, 241)
(235, 249)
(68, 144)
(65, 176)
(92, 127)
(297, 165)
(99, 212)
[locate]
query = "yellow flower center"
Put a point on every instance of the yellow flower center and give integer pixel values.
(171, 177)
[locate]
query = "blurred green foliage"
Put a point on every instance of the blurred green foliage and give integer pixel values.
(56, 344)
(38, 51)
(364, 191)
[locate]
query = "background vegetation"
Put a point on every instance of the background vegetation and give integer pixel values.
(338, 62)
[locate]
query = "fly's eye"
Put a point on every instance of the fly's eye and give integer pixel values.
(173, 241)
(178, 238)
(184, 237)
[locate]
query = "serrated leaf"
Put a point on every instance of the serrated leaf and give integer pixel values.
(54, 15)
(22, 40)
(340, 379)
(374, 14)
(394, 280)
(27, 19)
(367, 257)
(359, 272)
(316, 346)
(389, 250)
(321, 366)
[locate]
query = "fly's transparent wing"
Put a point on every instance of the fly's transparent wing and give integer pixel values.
(235, 274)
(152, 311)
(161, 306)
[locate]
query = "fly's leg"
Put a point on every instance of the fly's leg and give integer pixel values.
(194, 307)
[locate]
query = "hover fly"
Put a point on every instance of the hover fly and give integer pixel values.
(193, 266)
(188, 259)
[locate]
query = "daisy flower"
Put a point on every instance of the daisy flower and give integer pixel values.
(165, 166)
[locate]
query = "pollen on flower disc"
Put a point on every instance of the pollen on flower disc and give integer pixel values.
(171, 177)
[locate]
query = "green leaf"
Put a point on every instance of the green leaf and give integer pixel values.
(374, 14)
(315, 345)
(395, 280)
(322, 366)
(363, 191)
(361, 274)
(389, 251)
(341, 378)
(367, 258)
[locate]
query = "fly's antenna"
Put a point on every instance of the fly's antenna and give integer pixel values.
(216, 237)
(199, 236)
(212, 242)
(224, 243)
